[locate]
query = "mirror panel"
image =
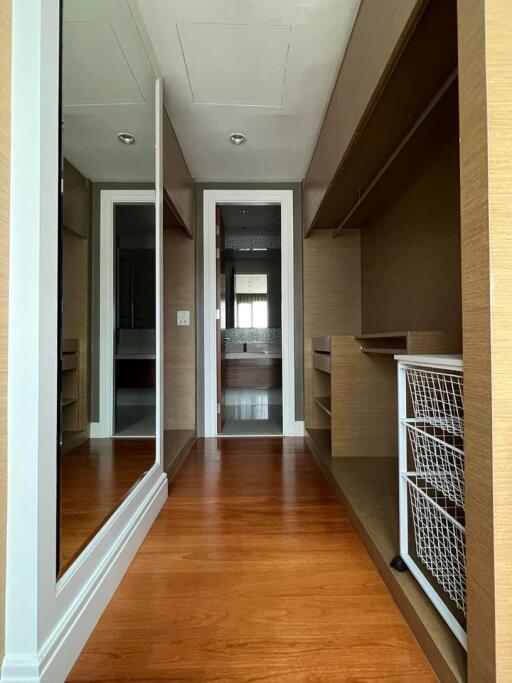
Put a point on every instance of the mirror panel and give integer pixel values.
(107, 395)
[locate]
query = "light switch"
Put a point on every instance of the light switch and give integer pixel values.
(183, 318)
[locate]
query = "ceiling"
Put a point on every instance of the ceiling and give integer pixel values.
(258, 221)
(108, 87)
(265, 68)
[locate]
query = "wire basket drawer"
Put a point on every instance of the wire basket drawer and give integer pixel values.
(437, 398)
(440, 540)
(438, 459)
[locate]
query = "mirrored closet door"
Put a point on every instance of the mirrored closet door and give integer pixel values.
(107, 391)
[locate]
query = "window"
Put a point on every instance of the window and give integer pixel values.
(251, 310)
(251, 303)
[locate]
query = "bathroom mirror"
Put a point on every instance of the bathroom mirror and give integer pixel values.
(107, 396)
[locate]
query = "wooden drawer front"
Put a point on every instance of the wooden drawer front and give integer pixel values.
(253, 374)
(68, 361)
(322, 344)
(322, 361)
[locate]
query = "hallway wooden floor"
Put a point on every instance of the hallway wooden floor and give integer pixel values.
(252, 572)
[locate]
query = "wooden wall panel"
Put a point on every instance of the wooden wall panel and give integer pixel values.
(178, 183)
(410, 242)
(499, 120)
(179, 342)
(5, 133)
(477, 341)
(485, 63)
(375, 39)
(76, 201)
(332, 294)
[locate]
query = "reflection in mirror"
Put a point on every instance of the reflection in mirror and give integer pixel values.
(107, 254)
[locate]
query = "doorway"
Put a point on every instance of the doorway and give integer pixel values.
(134, 301)
(128, 337)
(249, 361)
(245, 404)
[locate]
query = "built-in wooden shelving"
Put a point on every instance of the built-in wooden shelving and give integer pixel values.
(70, 380)
(420, 87)
(354, 387)
(368, 488)
(353, 434)
(323, 402)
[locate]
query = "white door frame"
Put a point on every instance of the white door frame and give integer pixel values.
(109, 199)
(48, 620)
(247, 197)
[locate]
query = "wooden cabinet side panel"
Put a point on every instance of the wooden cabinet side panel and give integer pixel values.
(363, 401)
(498, 45)
(478, 445)
(332, 295)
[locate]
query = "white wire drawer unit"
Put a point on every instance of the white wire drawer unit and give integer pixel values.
(431, 487)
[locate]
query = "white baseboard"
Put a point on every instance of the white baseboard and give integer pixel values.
(69, 637)
(97, 431)
(299, 429)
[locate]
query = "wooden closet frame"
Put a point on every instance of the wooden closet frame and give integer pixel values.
(485, 118)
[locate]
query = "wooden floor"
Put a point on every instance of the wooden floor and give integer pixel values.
(252, 572)
(96, 476)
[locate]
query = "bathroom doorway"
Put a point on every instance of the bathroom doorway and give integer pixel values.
(217, 206)
(249, 353)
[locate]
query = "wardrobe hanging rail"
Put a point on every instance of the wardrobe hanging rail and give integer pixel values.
(421, 118)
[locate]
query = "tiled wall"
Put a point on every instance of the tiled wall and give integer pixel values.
(271, 335)
(136, 338)
(238, 242)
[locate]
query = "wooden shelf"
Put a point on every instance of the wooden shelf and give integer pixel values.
(368, 487)
(322, 362)
(371, 349)
(404, 342)
(381, 335)
(323, 402)
(424, 66)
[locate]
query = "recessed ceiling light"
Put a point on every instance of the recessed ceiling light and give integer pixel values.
(126, 138)
(237, 138)
(244, 212)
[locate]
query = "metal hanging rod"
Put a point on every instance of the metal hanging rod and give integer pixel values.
(421, 118)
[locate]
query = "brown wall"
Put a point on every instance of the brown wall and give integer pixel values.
(410, 246)
(179, 342)
(5, 98)
(75, 315)
(178, 183)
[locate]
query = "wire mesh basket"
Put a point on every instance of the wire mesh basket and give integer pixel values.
(439, 539)
(439, 459)
(437, 398)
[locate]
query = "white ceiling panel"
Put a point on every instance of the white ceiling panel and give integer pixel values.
(85, 77)
(108, 87)
(238, 71)
(265, 68)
